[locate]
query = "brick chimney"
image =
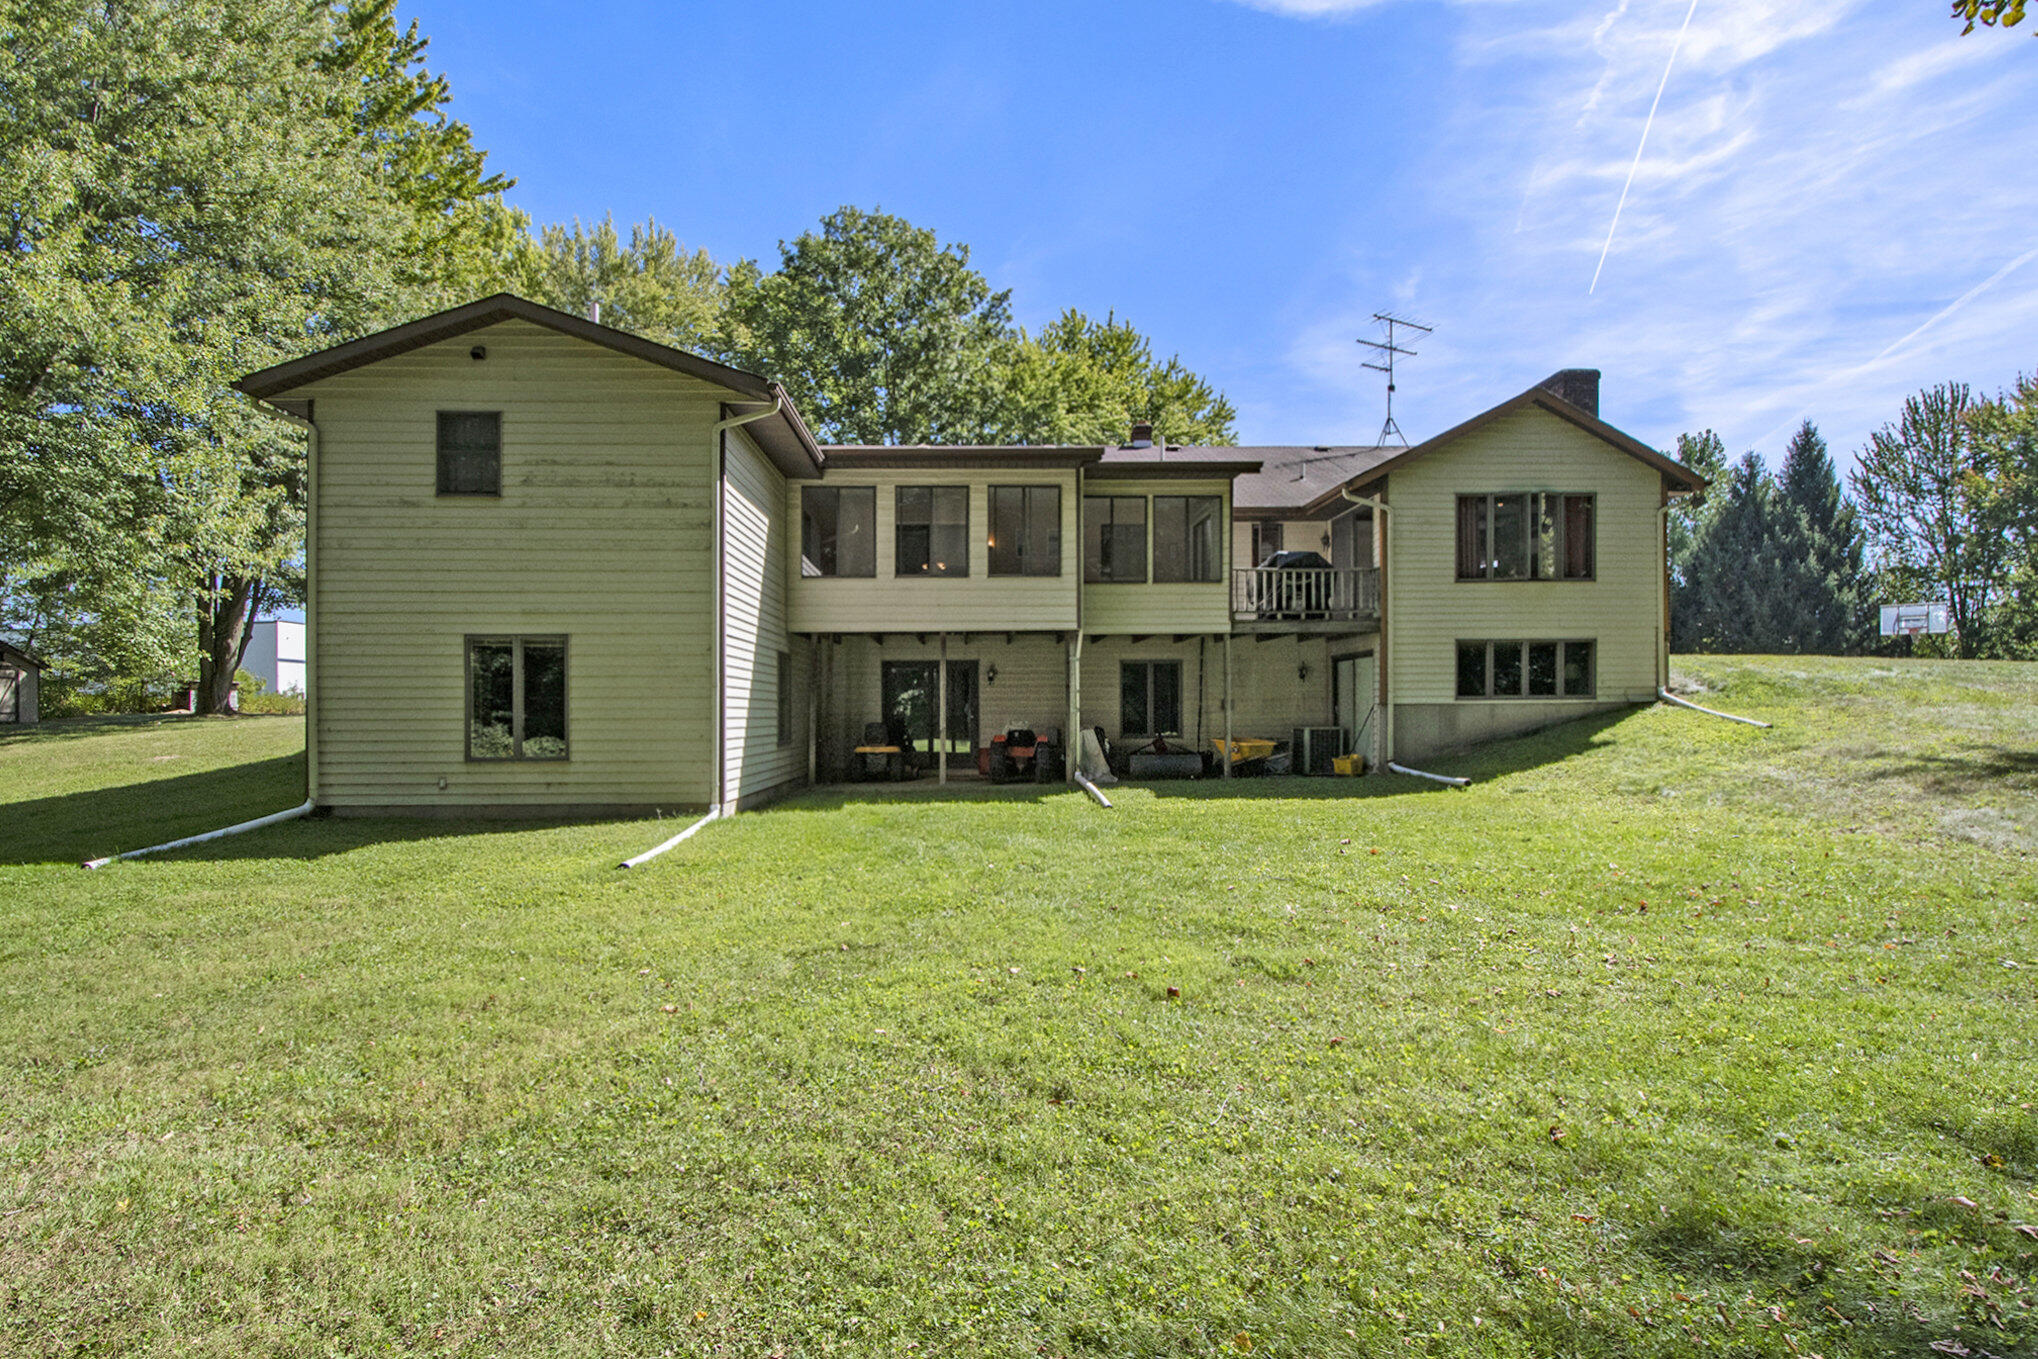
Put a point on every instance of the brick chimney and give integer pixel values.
(1579, 386)
(1142, 435)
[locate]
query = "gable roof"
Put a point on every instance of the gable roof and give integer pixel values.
(1535, 397)
(784, 435)
(1266, 478)
(16, 649)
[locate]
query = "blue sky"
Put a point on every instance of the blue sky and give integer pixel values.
(1834, 207)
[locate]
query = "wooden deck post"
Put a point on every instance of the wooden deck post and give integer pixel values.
(1227, 705)
(941, 722)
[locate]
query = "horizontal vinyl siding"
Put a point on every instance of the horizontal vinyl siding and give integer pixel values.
(1431, 609)
(754, 633)
(602, 534)
(887, 603)
(1185, 606)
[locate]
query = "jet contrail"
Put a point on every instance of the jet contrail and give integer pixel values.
(1640, 146)
(1957, 303)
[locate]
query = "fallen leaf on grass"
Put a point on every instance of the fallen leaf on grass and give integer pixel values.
(1556, 1133)
(670, 1009)
(1962, 1202)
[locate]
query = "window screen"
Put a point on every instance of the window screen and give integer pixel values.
(1188, 537)
(838, 531)
(931, 533)
(1025, 530)
(470, 452)
(1114, 538)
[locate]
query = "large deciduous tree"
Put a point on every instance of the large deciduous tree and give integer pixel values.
(194, 191)
(1918, 487)
(881, 333)
(1081, 381)
(650, 285)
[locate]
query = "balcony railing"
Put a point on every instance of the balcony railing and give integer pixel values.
(1304, 594)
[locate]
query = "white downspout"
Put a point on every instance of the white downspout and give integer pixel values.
(715, 813)
(1381, 509)
(256, 824)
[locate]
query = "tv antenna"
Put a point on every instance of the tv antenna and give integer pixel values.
(1387, 350)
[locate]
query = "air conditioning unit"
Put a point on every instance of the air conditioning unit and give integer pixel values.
(1316, 747)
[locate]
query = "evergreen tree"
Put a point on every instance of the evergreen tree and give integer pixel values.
(1734, 576)
(1819, 547)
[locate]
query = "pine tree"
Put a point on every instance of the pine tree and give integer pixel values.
(1733, 579)
(1819, 549)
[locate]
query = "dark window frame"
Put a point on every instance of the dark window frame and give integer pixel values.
(516, 643)
(1523, 650)
(445, 457)
(1267, 538)
(899, 522)
(1188, 575)
(1148, 669)
(1480, 561)
(1028, 567)
(1145, 539)
(808, 546)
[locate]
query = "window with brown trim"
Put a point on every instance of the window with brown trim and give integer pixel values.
(838, 530)
(1526, 535)
(1527, 669)
(516, 698)
(1188, 538)
(470, 452)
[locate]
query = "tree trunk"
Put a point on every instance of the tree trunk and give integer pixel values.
(226, 620)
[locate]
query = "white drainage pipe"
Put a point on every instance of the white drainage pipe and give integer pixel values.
(1669, 697)
(256, 824)
(714, 814)
(1440, 778)
(1092, 789)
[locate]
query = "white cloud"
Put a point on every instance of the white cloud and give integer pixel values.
(1825, 195)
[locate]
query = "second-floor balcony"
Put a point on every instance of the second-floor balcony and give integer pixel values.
(1304, 598)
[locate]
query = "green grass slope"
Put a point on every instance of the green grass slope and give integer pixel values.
(1668, 1036)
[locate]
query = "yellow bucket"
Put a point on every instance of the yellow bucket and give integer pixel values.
(1349, 764)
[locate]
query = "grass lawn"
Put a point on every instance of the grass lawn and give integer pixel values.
(1666, 1036)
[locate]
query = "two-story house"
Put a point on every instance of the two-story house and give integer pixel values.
(556, 567)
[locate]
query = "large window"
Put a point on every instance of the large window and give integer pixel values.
(1188, 537)
(470, 452)
(1025, 530)
(1149, 698)
(1114, 538)
(516, 698)
(838, 531)
(932, 533)
(1528, 535)
(1525, 670)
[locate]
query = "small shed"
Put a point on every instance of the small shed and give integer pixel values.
(20, 686)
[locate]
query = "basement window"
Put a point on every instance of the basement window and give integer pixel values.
(516, 698)
(1149, 699)
(470, 453)
(1525, 669)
